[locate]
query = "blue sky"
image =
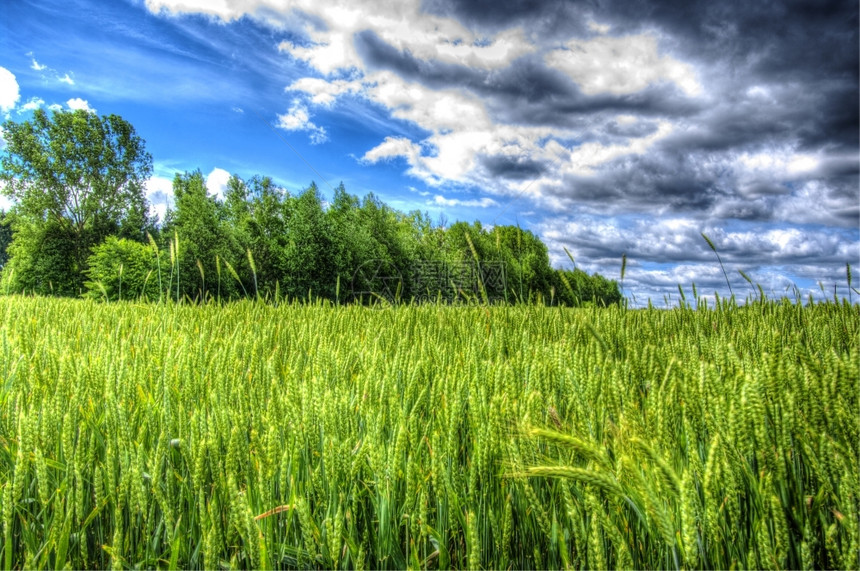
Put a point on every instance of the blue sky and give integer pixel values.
(608, 128)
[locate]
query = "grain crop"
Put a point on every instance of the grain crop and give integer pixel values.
(314, 436)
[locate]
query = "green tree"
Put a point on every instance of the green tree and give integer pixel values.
(76, 178)
(200, 222)
(5, 238)
(352, 243)
(257, 212)
(42, 259)
(308, 254)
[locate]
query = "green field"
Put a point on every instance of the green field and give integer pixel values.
(248, 435)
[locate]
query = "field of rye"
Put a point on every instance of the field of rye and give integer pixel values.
(315, 436)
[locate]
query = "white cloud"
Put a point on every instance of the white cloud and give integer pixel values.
(32, 104)
(418, 192)
(9, 93)
(216, 182)
(778, 164)
(159, 195)
(596, 27)
(458, 121)
(37, 66)
(393, 147)
(665, 253)
(331, 48)
(79, 104)
(224, 9)
(485, 202)
(585, 157)
(328, 56)
(5, 202)
(461, 128)
(297, 118)
(67, 80)
(813, 202)
(323, 92)
(505, 47)
(621, 65)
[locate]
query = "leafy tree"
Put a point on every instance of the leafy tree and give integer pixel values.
(308, 255)
(42, 259)
(5, 238)
(76, 178)
(120, 268)
(199, 221)
(352, 242)
(257, 212)
(528, 273)
(526, 258)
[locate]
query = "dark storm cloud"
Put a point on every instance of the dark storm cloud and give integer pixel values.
(513, 100)
(637, 129)
(651, 240)
(525, 78)
(527, 91)
(708, 186)
(541, 16)
(806, 50)
(770, 143)
(512, 168)
(680, 182)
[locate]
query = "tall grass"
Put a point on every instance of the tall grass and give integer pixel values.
(249, 435)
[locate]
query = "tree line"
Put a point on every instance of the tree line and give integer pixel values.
(80, 226)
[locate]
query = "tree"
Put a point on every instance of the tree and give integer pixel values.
(41, 260)
(352, 243)
(205, 241)
(257, 214)
(5, 238)
(76, 177)
(308, 251)
(527, 262)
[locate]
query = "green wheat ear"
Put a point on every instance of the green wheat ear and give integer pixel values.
(253, 272)
(569, 255)
(202, 279)
(235, 276)
(747, 279)
(714, 249)
(623, 271)
(157, 261)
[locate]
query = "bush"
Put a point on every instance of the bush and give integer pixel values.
(41, 260)
(122, 269)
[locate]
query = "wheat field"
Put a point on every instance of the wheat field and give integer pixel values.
(315, 436)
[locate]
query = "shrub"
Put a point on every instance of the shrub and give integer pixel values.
(122, 269)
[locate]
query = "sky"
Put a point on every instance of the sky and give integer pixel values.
(610, 128)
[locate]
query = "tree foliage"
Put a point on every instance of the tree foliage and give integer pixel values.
(199, 222)
(79, 226)
(5, 237)
(76, 179)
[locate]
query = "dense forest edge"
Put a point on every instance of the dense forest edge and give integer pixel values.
(81, 226)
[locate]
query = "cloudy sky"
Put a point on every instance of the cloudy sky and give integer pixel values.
(609, 127)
